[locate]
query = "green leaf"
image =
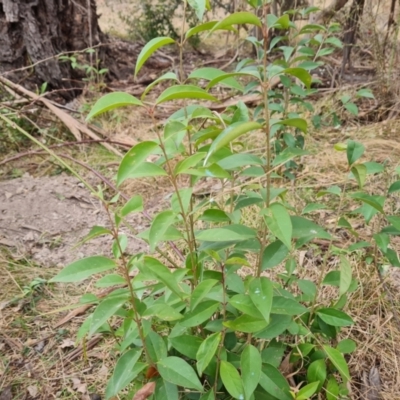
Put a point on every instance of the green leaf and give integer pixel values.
(84, 268)
(167, 76)
(110, 280)
(337, 359)
(228, 80)
(165, 390)
(394, 220)
(185, 195)
(351, 108)
(360, 173)
(346, 346)
(180, 92)
(177, 371)
(228, 233)
(205, 27)
(159, 226)
(163, 274)
(133, 205)
(199, 6)
(310, 207)
(237, 18)
(368, 199)
(231, 379)
(149, 49)
(187, 345)
(229, 134)
(382, 240)
(201, 291)
(189, 162)
(261, 292)
(365, 93)
(164, 312)
(95, 232)
(250, 365)
(288, 154)
(279, 223)
(316, 372)
(334, 317)
(394, 187)
(273, 255)
(126, 370)
(345, 275)
(134, 158)
(207, 351)
(156, 347)
(332, 389)
(284, 305)
(303, 227)
(354, 151)
(112, 101)
(106, 309)
(274, 383)
(305, 77)
(307, 391)
(244, 304)
(210, 73)
(201, 313)
(278, 324)
(247, 324)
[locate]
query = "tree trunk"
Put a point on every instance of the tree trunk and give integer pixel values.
(34, 32)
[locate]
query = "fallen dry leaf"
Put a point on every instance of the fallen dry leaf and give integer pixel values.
(145, 392)
(33, 390)
(67, 343)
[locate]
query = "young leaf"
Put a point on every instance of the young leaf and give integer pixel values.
(279, 223)
(307, 391)
(354, 151)
(149, 49)
(261, 292)
(160, 224)
(206, 351)
(205, 27)
(250, 365)
(184, 92)
(126, 370)
(229, 134)
(231, 379)
(134, 205)
(179, 372)
(360, 173)
(334, 317)
(111, 101)
(345, 275)
(84, 268)
(237, 18)
(337, 359)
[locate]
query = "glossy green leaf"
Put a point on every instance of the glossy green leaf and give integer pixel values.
(261, 293)
(180, 92)
(345, 275)
(231, 379)
(133, 205)
(284, 305)
(189, 162)
(237, 18)
(247, 324)
(303, 227)
(163, 274)
(307, 391)
(354, 151)
(112, 101)
(126, 370)
(279, 223)
(338, 360)
(106, 309)
(244, 304)
(305, 77)
(209, 73)
(207, 351)
(334, 317)
(228, 233)
(177, 371)
(250, 366)
(360, 173)
(187, 345)
(83, 269)
(207, 26)
(273, 255)
(229, 134)
(149, 49)
(201, 291)
(168, 76)
(316, 372)
(160, 224)
(201, 313)
(274, 383)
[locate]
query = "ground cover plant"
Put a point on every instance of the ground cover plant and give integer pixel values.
(221, 307)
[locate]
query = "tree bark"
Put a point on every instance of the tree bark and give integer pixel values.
(34, 32)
